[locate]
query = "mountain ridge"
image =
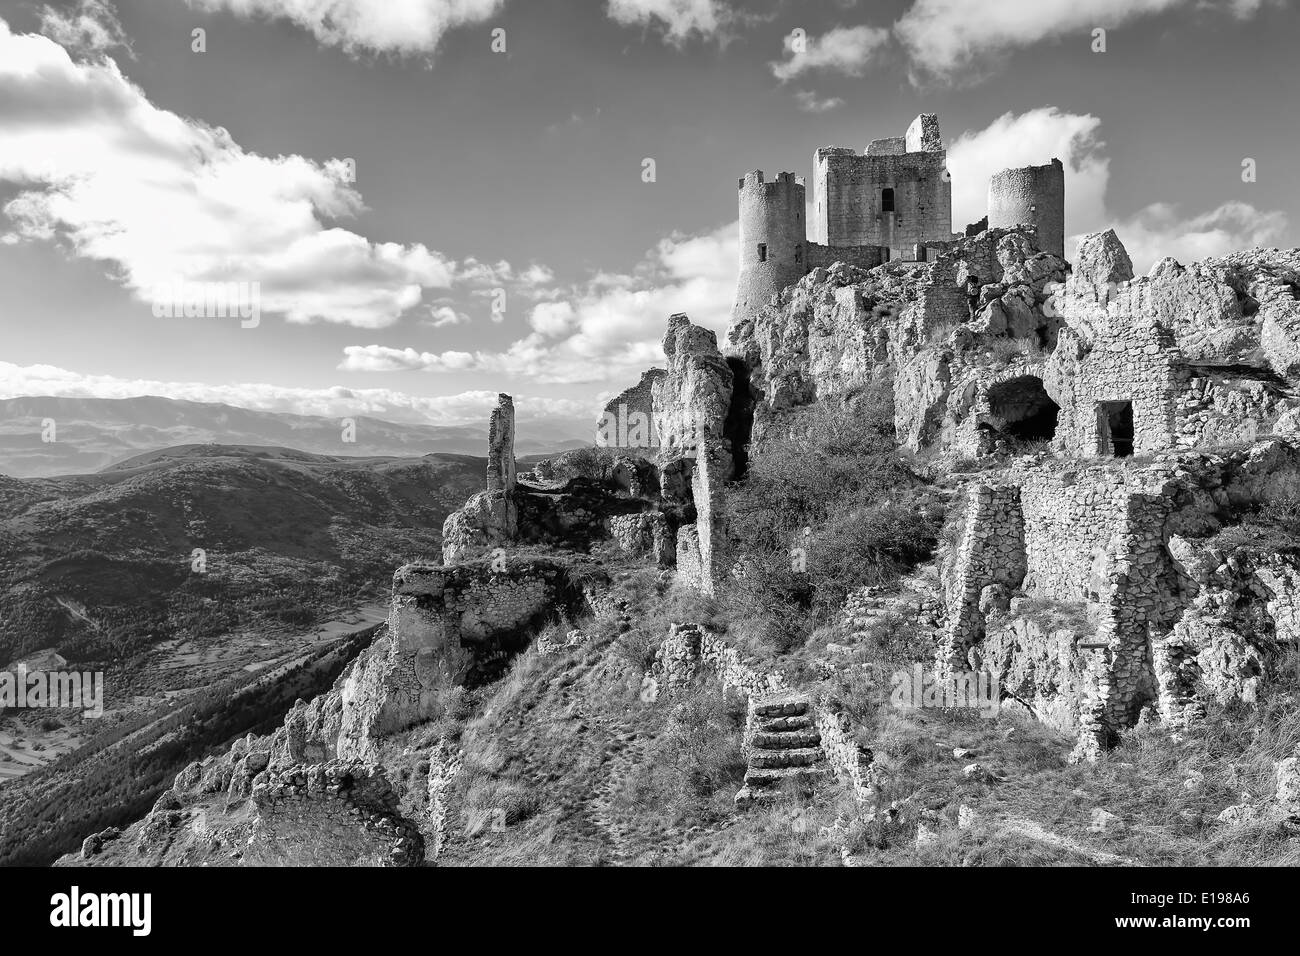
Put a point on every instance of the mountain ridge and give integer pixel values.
(91, 434)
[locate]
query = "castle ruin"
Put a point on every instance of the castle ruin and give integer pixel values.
(890, 202)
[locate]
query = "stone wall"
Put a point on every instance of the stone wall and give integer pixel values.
(627, 425)
(459, 624)
(991, 552)
(1150, 616)
(690, 649)
(848, 193)
(646, 533)
(844, 755)
(330, 814)
(445, 763)
(691, 401)
(1136, 364)
(712, 471)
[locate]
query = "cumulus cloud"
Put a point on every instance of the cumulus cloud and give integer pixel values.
(810, 102)
(162, 199)
(945, 38)
(678, 19)
(607, 330)
(466, 408)
(846, 50)
(443, 315)
(89, 28)
(400, 27)
(1158, 230)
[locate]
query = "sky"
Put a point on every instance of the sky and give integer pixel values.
(440, 200)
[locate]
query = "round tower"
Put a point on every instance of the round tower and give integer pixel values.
(1033, 195)
(773, 239)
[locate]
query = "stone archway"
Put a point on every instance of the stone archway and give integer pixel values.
(1020, 409)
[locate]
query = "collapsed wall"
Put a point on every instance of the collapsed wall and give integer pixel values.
(1153, 625)
(619, 505)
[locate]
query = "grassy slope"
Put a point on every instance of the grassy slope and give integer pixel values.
(581, 770)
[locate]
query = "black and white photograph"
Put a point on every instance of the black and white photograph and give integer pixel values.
(650, 434)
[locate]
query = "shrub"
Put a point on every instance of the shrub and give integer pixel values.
(825, 513)
(701, 743)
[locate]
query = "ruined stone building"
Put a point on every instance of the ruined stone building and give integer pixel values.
(890, 202)
(1116, 422)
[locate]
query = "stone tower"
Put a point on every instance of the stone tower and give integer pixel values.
(896, 194)
(501, 446)
(1033, 196)
(773, 239)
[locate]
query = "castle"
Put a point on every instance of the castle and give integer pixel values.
(893, 201)
(1094, 433)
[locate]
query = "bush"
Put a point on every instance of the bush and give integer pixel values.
(823, 514)
(701, 743)
(1271, 526)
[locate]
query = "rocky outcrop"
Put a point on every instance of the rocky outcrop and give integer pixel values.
(1102, 260)
(693, 397)
(489, 519)
(501, 446)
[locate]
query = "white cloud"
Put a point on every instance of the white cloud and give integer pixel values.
(1158, 230)
(162, 199)
(402, 27)
(948, 37)
(846, 50)
(810, 102)
(466, 408)
(679, 19)
(443, 315)
(607, 330)
(90, 28)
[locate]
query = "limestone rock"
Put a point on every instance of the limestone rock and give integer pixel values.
(1102, 821)
(1102, 259)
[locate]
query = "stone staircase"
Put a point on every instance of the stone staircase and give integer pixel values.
(783, 746)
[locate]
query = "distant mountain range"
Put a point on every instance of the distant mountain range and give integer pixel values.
(94, 433)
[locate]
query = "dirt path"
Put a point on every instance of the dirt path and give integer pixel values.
(1034, 831)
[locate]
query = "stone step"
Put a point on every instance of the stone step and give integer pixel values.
(759, 778)
(781, 704)
(785, 739)
(775, 759)
(774, 725)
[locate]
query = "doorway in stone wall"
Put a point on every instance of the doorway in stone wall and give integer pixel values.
(1115, 429)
